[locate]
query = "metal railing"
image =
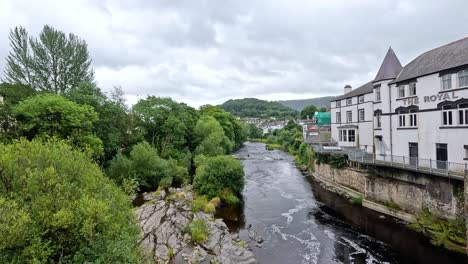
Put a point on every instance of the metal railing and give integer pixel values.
(436, 167)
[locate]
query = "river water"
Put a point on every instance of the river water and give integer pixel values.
(301, 222)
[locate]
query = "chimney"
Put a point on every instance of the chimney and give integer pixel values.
(347, 88)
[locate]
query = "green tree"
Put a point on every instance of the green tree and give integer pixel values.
(114, 121)
(57, 207)
(53, 115)
(166, 125)
(253, 131)
(210, 138)
(308, 111)
(146, 168)
(215, 175)
(12, 94)
(54, 62)
(232, 128)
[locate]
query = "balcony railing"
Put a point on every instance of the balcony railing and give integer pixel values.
(436, 167)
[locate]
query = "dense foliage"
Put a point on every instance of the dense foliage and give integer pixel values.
(57, 206)
(53, 115)
(146, 168)
(251, 107)
(219, 176)
(308, 112)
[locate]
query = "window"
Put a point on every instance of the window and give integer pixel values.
(401, 91)
(351, 135)
(349, 117)
(463, 114)
(402, 120)
(412, 89)
(349, 101)
(446, 81)
(463, 78)
(338, 103)
(338, 117)
(447, 116)
(378, 123)
(466, 152)
(361, 115)
(361, 99)
(343, 136)
(377, 94)
(413, 120)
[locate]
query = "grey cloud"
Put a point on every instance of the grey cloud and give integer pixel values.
(208, 51)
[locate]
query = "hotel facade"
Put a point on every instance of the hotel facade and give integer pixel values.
(418, 112)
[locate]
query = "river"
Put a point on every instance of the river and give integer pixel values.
(301, 222)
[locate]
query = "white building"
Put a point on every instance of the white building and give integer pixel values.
(419, 111)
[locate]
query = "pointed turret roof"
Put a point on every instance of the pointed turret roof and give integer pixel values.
(390, 67)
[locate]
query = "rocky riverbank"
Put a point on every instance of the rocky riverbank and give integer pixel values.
(164, 219)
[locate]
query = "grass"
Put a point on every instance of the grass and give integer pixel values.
(272, 146)
(228, 197)
(198, 230)
(171, 253)
(448, 233)
(242, 243)
(209, 208)
(357, 200)
(199, 203)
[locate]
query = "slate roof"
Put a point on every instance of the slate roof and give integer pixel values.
(364, 89)
(449, 56)
(390, 67)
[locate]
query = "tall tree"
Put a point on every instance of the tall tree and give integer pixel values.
(19, 62)
(309, 111)
(54, 62)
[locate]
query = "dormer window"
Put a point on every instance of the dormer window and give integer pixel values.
(463, 78)
(349, 101)
(446, 81)
(401, 91)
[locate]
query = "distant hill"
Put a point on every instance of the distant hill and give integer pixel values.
(251, 107)
(298, 105)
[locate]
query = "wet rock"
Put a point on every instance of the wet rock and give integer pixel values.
(163, 219)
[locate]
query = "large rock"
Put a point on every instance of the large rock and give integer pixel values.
(162, 221)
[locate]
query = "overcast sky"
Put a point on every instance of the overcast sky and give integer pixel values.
(203, 52)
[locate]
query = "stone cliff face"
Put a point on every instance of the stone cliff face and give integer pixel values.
(163, 219)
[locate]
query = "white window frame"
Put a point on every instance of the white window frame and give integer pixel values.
(378, 121)
(447, 116)
(352, 138)
(377, 94)
(413, 120)
(446, 82)
(349, 101)
(343, 135)
(462, 114)
(412, 89)
(462, 75)
(338, 117)
(349, 116)
(361, 112)
(401, 120)
(338, 103)
(361, 99)
(401, 91)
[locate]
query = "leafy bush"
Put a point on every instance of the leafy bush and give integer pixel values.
(57, 206)
(215, 174)
(209, 208)
(199, 203)
(338, 161)
(147, 168)
(198, 230)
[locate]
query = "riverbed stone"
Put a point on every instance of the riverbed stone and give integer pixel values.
(162, 222)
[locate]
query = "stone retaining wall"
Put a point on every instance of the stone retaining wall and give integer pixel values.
(407, 191)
